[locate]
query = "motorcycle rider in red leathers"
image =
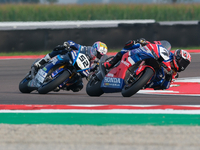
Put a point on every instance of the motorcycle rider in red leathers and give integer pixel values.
(93, 54)
(177, 62)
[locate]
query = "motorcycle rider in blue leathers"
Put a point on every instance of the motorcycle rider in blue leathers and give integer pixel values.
(93, 54)
(177, 62)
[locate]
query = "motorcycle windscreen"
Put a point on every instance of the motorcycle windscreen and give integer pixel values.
(111, 85)
(166, 45)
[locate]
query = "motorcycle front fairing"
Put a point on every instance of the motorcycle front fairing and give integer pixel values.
(43, 72)
(81, 62)
(112, 84)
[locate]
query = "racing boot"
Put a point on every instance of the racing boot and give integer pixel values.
(78, 85)
(42, 61)
(113, 61)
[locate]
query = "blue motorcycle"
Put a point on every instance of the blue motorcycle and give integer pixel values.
(58, 73)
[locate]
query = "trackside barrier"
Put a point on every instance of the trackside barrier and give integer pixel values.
(45, 37)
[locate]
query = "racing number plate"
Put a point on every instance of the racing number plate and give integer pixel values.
(83, 62)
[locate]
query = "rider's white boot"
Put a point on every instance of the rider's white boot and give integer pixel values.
(42, 61)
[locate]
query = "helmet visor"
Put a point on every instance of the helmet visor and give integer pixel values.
(182, 63)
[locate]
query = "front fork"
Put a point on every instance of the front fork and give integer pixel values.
(141, 68)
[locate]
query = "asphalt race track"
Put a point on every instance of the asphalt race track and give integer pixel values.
(13, 71)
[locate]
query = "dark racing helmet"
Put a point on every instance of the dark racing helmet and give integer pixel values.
(181, 60)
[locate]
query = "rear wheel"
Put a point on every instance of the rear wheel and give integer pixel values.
(23, 85)
(93, 87)
(134, 87)
(52, 84)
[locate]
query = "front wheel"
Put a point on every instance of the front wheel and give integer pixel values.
(93, 87)
(130, 90)
(51, 85)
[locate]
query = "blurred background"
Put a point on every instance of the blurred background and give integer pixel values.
(40, 25)
(99, 1)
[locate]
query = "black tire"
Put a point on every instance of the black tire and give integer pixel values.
(134, 88)
(93, 87)
(23, 86)
(51, 85)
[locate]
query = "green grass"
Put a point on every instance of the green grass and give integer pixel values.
(39, 12)
(24, 53)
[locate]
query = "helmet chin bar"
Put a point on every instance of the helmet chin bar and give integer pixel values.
(99, 55)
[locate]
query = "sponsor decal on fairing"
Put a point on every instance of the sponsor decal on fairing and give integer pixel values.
(110, 75)
(108, 81)
(110, 85)
(41, 76)
(44, 69)
(131, 61)
(73, 55)
(112, 80)
(54, 60)
(125, 63)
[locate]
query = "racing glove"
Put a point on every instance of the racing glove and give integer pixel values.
(59, 47)
(62, 47)
(142, 41)
(66, 45)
